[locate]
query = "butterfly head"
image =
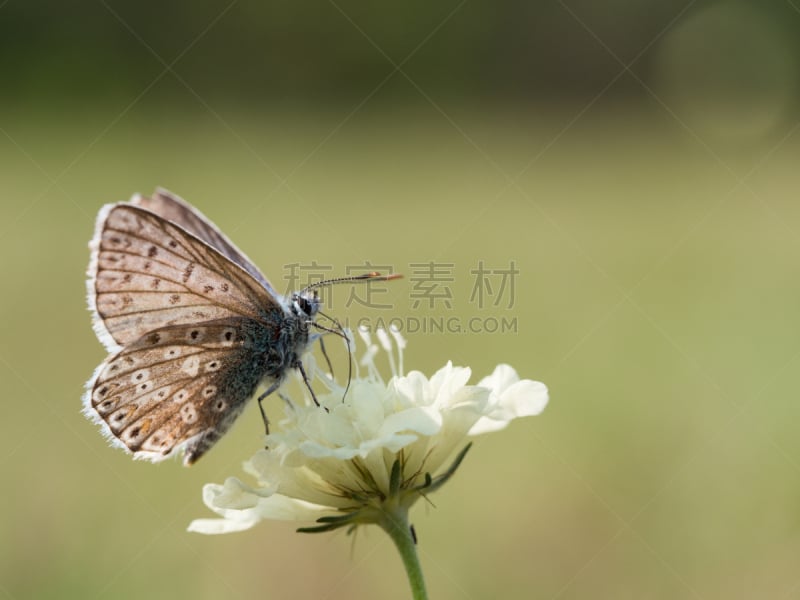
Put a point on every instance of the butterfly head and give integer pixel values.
(305, 304)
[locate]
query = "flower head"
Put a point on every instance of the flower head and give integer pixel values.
(373, 453)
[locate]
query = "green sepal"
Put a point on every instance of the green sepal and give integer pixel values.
(441, 479)
(330, 522)
(394, 479)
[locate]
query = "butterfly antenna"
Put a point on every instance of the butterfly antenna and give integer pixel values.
(371, 276)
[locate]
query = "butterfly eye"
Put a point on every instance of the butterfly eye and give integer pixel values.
(304, 305)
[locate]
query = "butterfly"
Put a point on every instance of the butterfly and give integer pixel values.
(192, 326)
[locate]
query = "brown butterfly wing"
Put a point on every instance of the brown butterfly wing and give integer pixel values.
(147, 273)
(173, 208)
(177, 388)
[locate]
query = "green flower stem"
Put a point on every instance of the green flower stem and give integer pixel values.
(395, 523)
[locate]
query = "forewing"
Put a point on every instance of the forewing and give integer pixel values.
(147, 273)
(177, 388)
(173, 208)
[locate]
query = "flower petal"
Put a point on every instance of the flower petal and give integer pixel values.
(242, 507)
(510, 398)
(502, 377)
(423, 420)
(217, 526)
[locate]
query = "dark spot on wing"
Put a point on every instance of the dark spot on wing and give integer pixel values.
(224, 287)
(155, 283)
(208, 288)
(174, 299)
(127, 278)
(152, 251)
(153, 338)
(187, 272)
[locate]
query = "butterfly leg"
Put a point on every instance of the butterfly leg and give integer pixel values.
(325, 354)
(271, 389)
(286, 399)
(299, 366)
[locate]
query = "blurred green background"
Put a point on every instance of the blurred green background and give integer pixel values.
(638, 161)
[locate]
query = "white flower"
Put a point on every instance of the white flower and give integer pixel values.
(374, 453)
